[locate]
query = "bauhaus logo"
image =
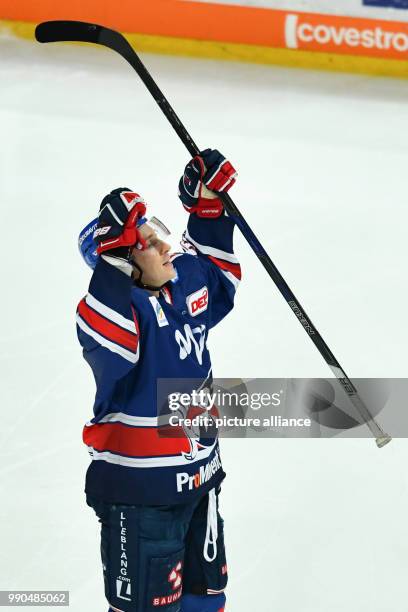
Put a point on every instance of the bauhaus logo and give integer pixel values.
(346, 35)
(175, 579)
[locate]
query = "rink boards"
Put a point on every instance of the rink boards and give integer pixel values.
(235, 32)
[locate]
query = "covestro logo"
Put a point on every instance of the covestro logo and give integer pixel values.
(346, 35)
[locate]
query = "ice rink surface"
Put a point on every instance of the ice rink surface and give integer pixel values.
(311, 525)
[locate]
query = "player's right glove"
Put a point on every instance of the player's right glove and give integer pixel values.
(120, 214)
(204, 176)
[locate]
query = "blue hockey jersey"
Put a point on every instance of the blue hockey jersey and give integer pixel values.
(131, 339)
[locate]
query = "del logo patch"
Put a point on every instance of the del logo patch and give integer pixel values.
(197, 302)
(158, 311)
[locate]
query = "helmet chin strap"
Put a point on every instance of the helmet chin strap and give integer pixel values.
(139, 281)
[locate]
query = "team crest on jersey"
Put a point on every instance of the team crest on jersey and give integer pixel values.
(202, 435)
(158, 311)
(197, 302)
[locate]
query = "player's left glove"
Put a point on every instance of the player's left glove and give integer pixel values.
(204, 176)
(120, 215)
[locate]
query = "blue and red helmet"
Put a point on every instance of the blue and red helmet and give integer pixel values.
(86, 244)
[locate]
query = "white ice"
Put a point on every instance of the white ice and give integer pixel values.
(311, 525)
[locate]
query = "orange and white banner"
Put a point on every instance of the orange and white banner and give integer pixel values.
(250, 26)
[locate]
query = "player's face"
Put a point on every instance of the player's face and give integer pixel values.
(155, 259)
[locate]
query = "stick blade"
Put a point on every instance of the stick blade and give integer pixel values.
(64, 31)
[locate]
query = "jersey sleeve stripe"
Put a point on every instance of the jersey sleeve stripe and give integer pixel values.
(235, 269)
(235, 281)
(110, 314)
(134, 441)
(108, 329)
(207, 250)
(111, 346)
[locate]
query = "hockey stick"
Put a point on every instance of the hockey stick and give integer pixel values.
(60, 31)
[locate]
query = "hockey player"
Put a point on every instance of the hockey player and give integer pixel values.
(146, 317)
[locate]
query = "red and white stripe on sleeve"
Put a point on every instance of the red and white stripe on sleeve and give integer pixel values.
(226, 262)
(109, 328)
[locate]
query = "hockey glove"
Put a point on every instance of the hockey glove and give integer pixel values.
(206, 173)
(119, 215)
